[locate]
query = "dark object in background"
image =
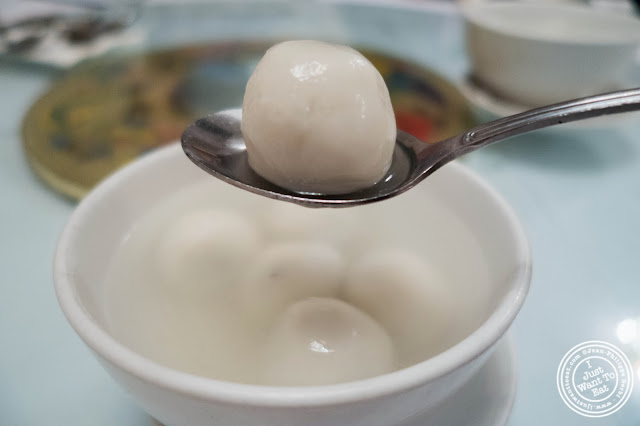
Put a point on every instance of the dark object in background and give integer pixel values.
(73, 22)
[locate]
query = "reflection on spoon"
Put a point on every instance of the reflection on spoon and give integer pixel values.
(216, 145)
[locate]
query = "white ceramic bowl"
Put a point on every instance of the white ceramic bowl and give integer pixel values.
(102, 219)
(540, 53)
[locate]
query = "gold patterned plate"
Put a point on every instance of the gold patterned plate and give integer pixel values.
(105, 112)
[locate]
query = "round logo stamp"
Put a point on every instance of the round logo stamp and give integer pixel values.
(595, 379)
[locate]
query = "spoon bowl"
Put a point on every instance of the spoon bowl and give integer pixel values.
(215, 143)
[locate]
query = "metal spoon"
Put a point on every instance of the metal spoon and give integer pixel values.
(216, 145)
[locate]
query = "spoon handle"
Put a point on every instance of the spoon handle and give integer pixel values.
(564, 112)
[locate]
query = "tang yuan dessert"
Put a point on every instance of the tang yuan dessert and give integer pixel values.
(226, 284)
(404, 294)
(340, 228)
(319, 341)
(211, 283)
(287, 272)
(317, 118)
(203, 244)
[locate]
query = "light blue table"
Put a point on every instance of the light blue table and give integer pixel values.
(577, 194)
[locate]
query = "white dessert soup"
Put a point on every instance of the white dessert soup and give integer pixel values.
(215, 281)
(201, 351)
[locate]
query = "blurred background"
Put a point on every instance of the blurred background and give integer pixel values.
(87, 86)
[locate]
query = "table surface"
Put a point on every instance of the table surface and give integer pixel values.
(576, 192)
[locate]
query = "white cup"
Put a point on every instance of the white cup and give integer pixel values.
(97, 227)
(536, 54)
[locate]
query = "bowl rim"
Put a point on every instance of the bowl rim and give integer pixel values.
(109, 349)
(475, 13)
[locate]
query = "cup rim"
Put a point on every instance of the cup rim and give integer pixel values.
(475, 14)
(117, 354)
